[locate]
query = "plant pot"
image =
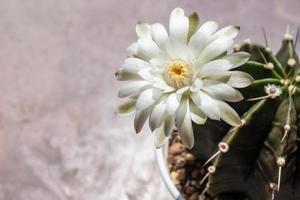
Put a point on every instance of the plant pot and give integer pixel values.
(161, 159)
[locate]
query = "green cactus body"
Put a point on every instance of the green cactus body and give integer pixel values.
(263, 159)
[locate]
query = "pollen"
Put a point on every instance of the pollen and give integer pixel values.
(178, 70)
(178, 73)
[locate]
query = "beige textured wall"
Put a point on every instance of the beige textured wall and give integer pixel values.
(59, 136)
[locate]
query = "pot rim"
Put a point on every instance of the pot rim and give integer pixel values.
(161, 155)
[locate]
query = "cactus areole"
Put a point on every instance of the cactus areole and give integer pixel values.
(236, 111)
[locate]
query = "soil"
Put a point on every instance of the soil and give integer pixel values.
(186, 171)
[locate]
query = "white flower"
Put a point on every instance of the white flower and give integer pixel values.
(273, 91)
(176, 79)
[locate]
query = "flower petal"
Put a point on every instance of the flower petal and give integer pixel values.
(228, 114)
(213, 67)
(172, 102)
(157, 115)
(184, 124)
(223, 91)
(127, 107)
(147, 98)
(147, 49)
(179, 25)
(197, 85)
(239, 79)
(132, 49)
(140, 118)
(143, 30)
(229, 32)
(213, 50)
(123, 75)
(237, 59)
(164, 131)
(209, 106)
(199, 40)
(197, 115)
(134, 64)
(160, 35)
(132, 88)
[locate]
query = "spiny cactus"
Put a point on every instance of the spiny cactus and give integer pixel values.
(260, 159)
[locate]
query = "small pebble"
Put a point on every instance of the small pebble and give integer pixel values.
(176, 148)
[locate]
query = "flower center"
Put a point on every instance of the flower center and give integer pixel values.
(178, 73)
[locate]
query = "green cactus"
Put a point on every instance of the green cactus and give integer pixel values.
(259, 160)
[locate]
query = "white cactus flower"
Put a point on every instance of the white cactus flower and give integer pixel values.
(175, 78)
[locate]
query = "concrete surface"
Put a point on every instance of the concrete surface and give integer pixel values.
(59, 136)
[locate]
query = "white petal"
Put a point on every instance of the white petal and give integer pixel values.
(124, 75)
(209, 106)
(228, 114)
(229, 32)
(132, 88)
(146, 74)
(157, 116)
(127, 107)
(132, 49)
(239, 79)
(143, 30)
(134, 64)
(223, 91)
(237, 59)
(177, 49)
(197, 85)
(147, 98)
(172, 102)
(199, 40)
(184, 124)
(197, 115)
(160, 35)
(213, 67)
(164, 131)
(140, 118)
(214, 49)
(179, 25)
(147, 49)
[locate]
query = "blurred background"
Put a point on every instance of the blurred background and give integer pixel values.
(59, 136)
